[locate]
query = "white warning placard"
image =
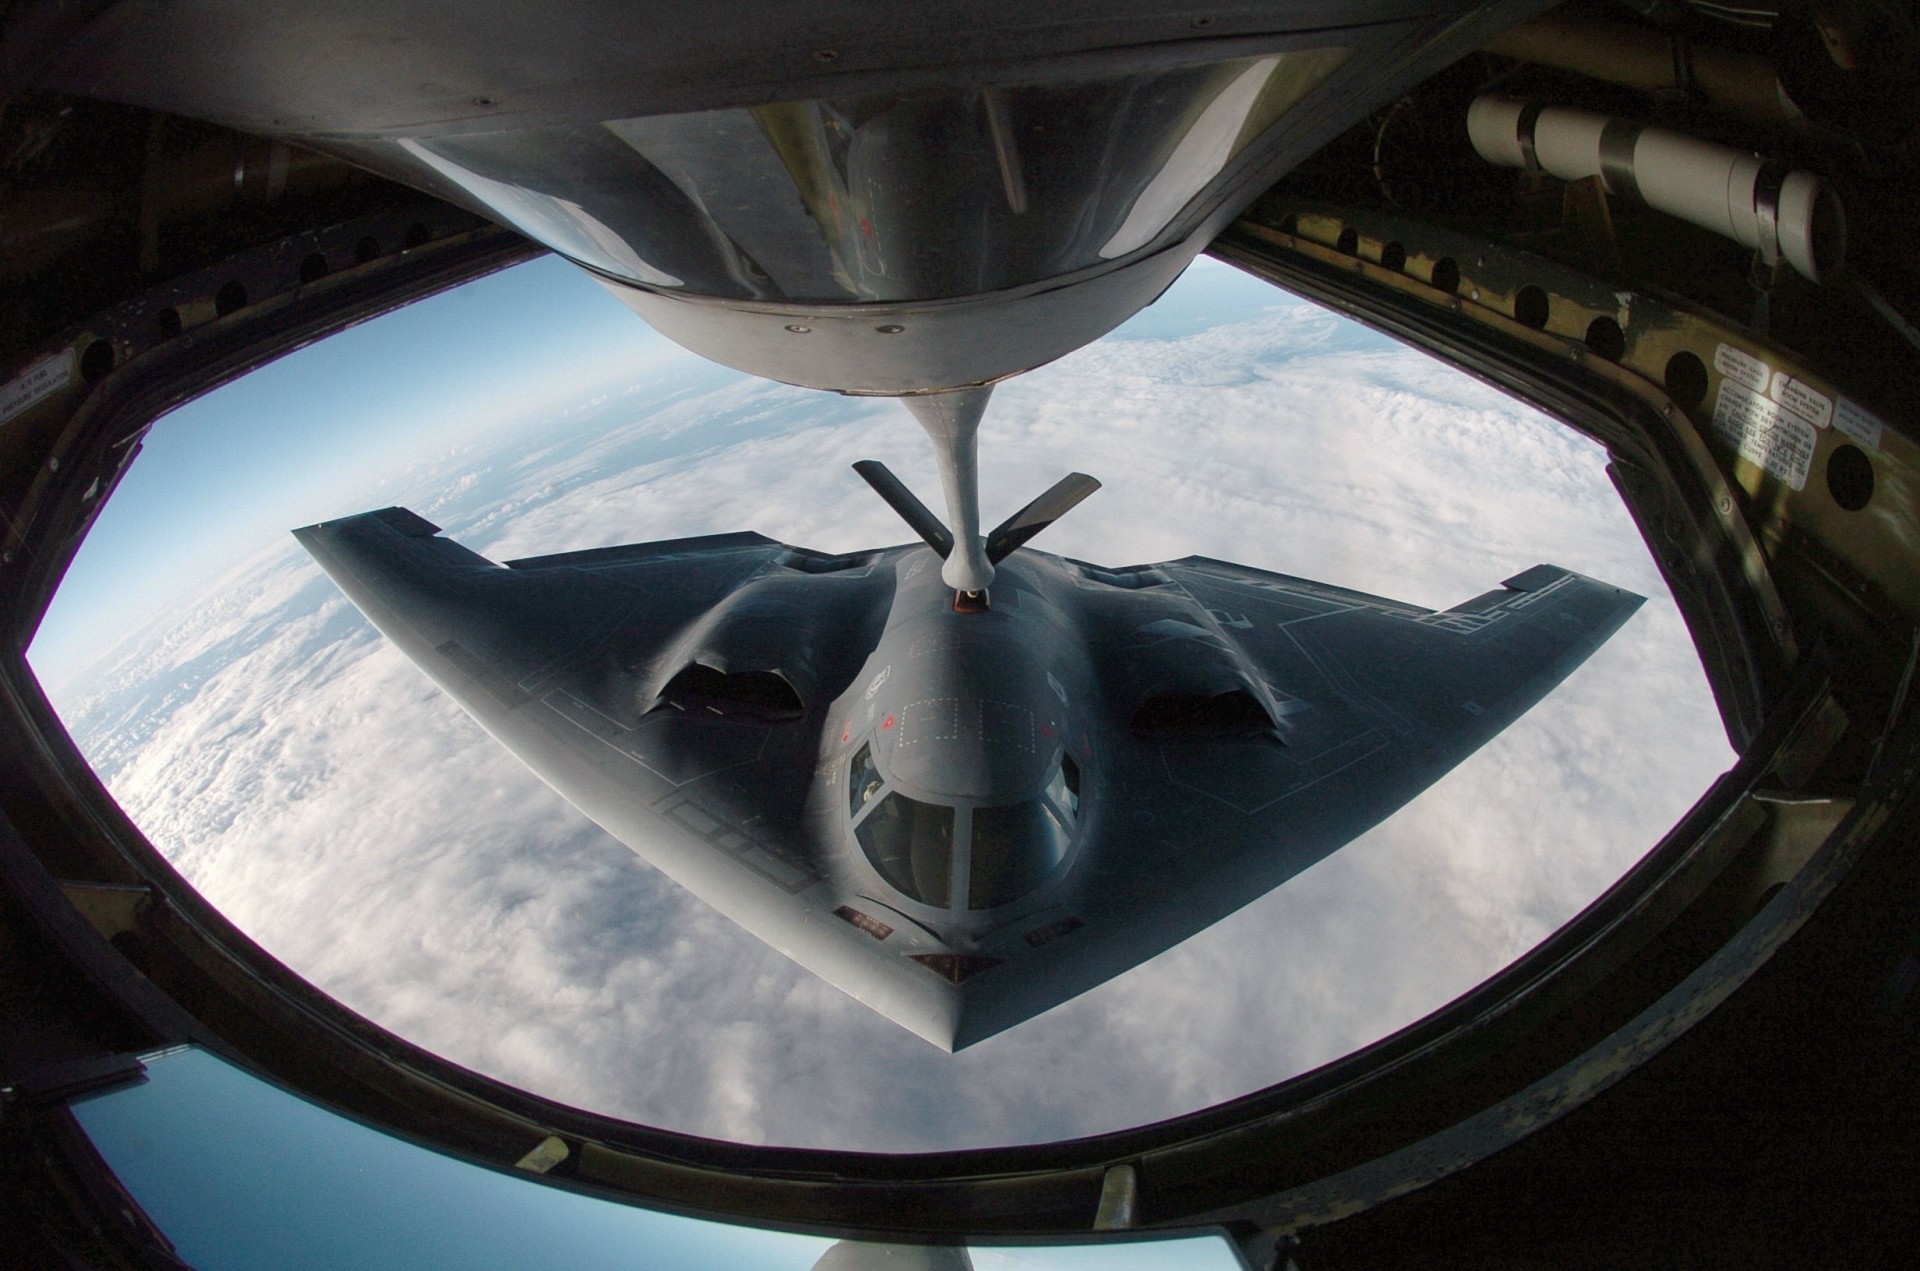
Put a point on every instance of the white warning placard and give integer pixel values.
(1803, 399)
(1766, 433)
(49, 375)
(1859, 423)
(1742, 367)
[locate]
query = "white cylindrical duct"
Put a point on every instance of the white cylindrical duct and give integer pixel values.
(1735, 194)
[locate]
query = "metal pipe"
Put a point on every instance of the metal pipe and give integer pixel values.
(1651, 62)
(952, 421)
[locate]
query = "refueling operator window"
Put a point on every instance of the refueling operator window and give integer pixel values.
(1014, 848)
(863, 781)
(911, 844)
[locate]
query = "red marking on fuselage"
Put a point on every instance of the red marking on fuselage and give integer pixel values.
(886, 723)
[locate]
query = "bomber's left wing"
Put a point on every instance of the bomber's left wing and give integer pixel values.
(674, 692)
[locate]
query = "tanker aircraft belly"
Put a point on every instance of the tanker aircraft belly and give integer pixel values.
(963, 810)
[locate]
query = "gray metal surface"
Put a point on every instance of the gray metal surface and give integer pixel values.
(359, 67)
(861, 227)
(1222, 728)
(952, 423)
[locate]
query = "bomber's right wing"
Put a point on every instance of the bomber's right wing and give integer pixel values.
(1302, 715)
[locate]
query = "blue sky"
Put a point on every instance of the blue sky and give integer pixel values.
(230, 472)
(304, 438)
(240, 1173)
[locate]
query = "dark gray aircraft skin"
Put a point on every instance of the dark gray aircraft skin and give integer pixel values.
(963, 819)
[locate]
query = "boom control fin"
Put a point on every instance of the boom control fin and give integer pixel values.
(1011, 534)
(1059, 499)
(918, 516)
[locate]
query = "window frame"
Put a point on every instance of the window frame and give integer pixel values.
(960, 878)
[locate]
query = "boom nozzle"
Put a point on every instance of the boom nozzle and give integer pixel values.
(918, 516)
(1011, 534)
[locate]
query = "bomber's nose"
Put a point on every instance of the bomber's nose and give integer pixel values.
(954, 1016)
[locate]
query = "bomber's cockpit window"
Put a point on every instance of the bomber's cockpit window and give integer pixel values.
(1064, 789)
(1014, 848)
(911, 844)
(863, 781)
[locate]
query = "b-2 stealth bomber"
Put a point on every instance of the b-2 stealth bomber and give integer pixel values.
(961, 781)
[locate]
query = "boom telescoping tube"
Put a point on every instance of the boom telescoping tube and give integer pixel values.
(1779, 213)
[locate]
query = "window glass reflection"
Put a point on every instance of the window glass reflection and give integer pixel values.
(863, 781)
(911, 844)
(1014, 848)
(237, 1172)
(240, 1173)
(1064, 788)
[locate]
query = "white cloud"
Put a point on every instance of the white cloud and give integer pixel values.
(344, 813)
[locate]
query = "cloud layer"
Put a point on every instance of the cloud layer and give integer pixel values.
(324, 795)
